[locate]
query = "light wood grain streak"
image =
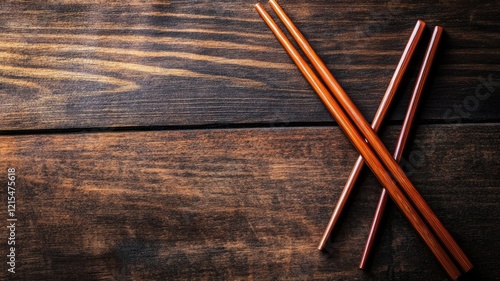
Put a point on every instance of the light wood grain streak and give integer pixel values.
(114, 66)
(25, 83)
(55, 74)
(165, 40)
(110, 26)
(199, 16)
(62, 48)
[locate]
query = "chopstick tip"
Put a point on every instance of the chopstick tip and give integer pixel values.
(421, 22)
(259, 8)
(437, 33)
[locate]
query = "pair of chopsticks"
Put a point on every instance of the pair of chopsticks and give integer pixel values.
(372, 150)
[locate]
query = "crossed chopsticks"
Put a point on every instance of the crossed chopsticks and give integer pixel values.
(371, 148)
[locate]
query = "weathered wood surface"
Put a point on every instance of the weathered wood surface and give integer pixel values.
(239, 204)
(74, 64)
(96, 97)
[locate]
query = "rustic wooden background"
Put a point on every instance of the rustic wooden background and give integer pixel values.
(163, 140)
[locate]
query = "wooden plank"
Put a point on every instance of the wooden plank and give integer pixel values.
(74, 64)
(238, 204)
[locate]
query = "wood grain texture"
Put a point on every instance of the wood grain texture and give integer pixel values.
(240, 204)
(73, 64)
(119, 202)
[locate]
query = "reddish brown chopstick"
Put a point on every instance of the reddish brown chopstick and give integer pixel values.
(364, 149)
(383, 108)
(405, 132)
(377, 145)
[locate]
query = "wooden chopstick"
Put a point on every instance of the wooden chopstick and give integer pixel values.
(382, 110)
(405, 132)
(364, 149)
(377, 145)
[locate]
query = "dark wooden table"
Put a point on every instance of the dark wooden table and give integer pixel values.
(162, 140)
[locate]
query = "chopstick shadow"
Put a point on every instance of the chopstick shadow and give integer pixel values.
(331, 247)
(437, 68)
(381, 250)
